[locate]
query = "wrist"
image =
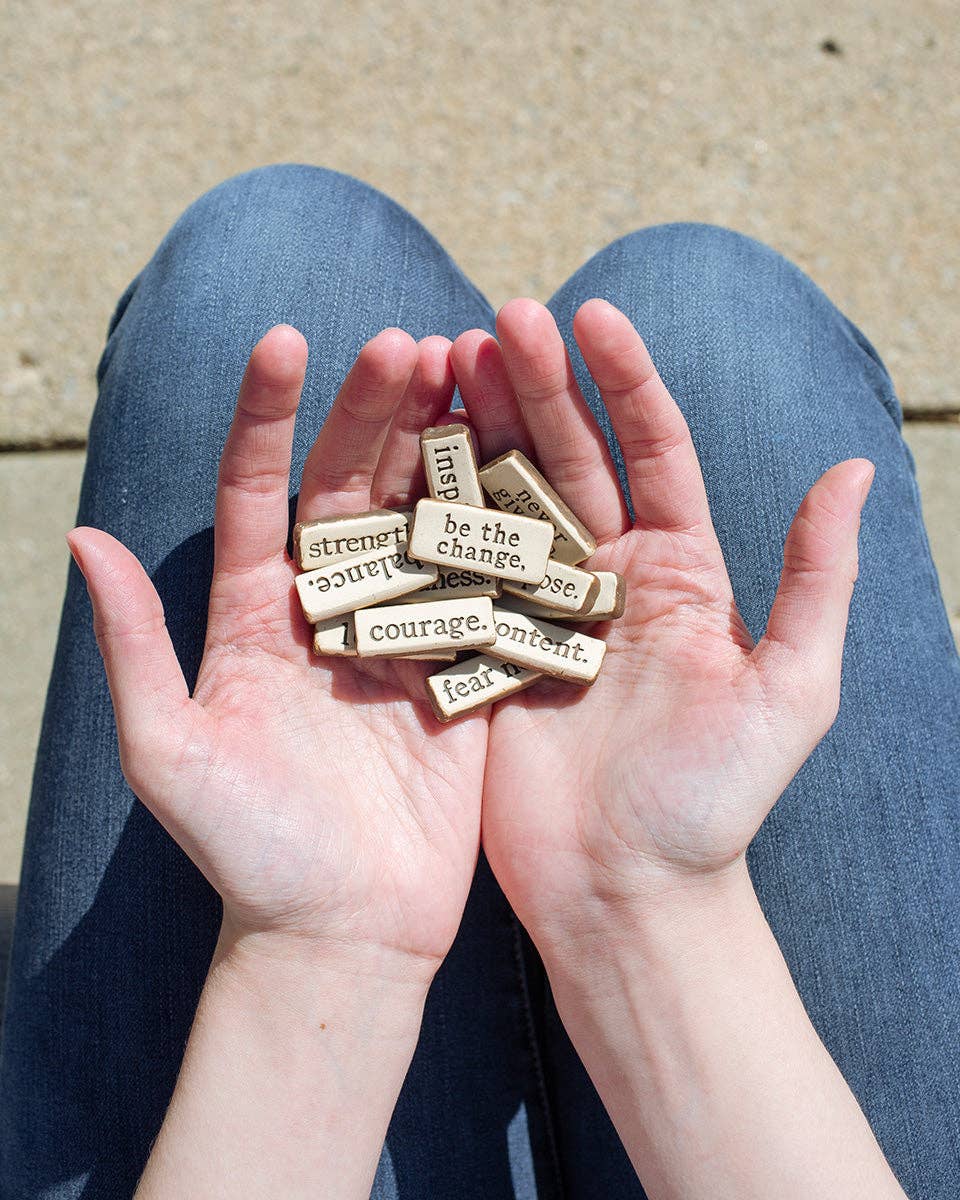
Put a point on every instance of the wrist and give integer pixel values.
(294, 1064)
(645, 989)
(365, 986)
(689, 1023)
(675, 913)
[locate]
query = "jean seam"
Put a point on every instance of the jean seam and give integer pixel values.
(120, 309)
(887, 395)
(536, 1057)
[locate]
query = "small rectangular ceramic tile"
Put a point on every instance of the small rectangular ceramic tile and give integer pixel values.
(421, 628)
(515, 485)
(563, 653)
(450, 464)
(335, 636)
(452, 584)
(497, 543)
(608, 605)
(564, 588)
(473, 683)
(358, 582)
(335, 539)
(447, 656)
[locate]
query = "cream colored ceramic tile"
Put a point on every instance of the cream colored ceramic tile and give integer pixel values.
(565, 589)
(564, 653)
(358, 582)
(608, 605)
(452, 584)
(515, 485)
(448, 656)
(335, 539)
(422, 628)
(473, 683)
(450, 464)
(335, 636)
(497, 543)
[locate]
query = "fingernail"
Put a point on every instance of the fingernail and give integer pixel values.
(74, 552)
(866, 483)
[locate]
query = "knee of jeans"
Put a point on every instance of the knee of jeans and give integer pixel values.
(268, 242)
(690, 264)
(693, 284)
(286, 210)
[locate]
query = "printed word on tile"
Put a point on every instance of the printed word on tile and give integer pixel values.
(547, 648)
(515, 485)
(608, 604)
(452, 584)
(421, 628)
(359, 582)
(498, 543)
(450, 464)
(333, 539)
(563, 588)
(335, 636)
(474, 683)
(420, 584)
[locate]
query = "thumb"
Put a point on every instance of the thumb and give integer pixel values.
(808, 620)
(151, 701)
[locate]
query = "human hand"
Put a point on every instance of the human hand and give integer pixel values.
(318, 796)
(653, 780)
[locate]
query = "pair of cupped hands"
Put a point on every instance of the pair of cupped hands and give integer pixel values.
(321, 797)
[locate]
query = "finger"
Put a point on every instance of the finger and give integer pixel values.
(252, 510)
(808, 620)
(150, 697)
(399, 474)
(488, 395)
(571, 449)
(663, 471)
(340, 466)
(457, 416)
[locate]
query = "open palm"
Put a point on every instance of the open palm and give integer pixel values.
(666, 766)
(320, 797)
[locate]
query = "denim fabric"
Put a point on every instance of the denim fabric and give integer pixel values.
(856, 867)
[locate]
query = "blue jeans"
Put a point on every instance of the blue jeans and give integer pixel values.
(857, 867)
